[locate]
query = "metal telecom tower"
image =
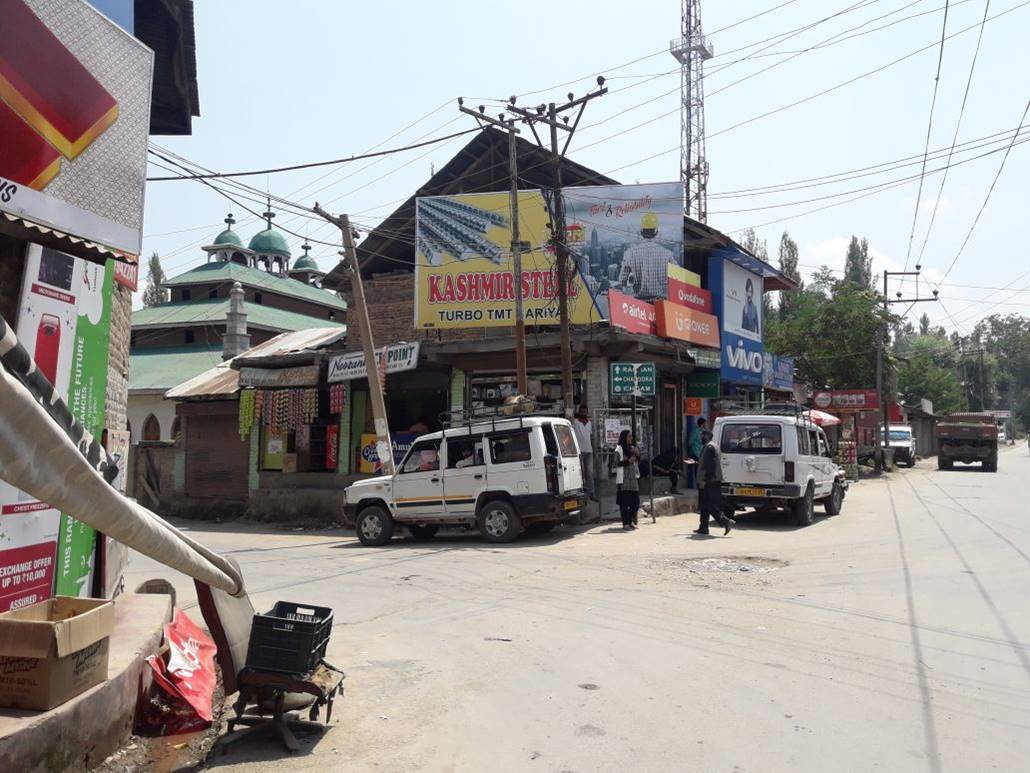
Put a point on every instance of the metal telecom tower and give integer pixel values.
(690, 50)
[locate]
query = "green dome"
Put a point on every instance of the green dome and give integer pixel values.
(228, 236)
(305, 263)
(268, 242)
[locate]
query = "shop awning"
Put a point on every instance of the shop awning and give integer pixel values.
(31, 231)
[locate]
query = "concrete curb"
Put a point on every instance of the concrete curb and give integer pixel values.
(81, 733)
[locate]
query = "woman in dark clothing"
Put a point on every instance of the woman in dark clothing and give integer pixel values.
(627, 471)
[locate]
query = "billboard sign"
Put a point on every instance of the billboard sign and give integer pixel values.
(685, 289)
(778, 372)
(630, 314)
(74, 116)
(399, 358)
(683, 324)
(737, 295)
(621, 238)
(742, 361)
(741, 302)
(847, 400)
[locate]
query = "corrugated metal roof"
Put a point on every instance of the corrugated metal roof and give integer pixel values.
(206, 312)
(49, 236)
(223, 381)
(161, 368)
(221, 271)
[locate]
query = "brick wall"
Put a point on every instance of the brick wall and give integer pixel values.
(118, 359)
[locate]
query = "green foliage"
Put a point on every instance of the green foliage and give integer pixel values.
(832, 334)
(788, 254)
(858, 264)
(930, 372)
(154, 293)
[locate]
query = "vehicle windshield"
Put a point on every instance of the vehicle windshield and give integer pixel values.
(900, 434)
(752, 439)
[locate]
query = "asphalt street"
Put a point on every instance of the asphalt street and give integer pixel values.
(894, 637)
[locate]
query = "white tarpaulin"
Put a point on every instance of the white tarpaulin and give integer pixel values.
(38, 457)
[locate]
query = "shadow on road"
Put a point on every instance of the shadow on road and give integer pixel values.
(263, 745)
(471, 539)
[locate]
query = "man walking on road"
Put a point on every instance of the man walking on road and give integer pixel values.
(584, 437)
(709, 476)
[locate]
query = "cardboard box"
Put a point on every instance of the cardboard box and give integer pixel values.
(52, 651)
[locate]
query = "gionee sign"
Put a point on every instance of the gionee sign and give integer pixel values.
(675, 321)
(74, 113)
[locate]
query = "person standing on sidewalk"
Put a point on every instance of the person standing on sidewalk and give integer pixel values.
(627, 485)
(584, 438)
(694, 446)
(709, 476)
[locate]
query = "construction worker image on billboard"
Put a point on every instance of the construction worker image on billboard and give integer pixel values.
(643, 273)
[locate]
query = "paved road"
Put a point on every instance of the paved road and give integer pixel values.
(895, 636)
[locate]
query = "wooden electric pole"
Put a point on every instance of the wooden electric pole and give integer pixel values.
(550, 115)
(384, 447)
(508, 125)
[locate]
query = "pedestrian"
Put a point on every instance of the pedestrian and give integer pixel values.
(627, 472)
(668, 463)
(694, 446)
(710, 487)
(584, 439)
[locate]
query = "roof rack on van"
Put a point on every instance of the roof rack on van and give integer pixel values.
(785, 408)
(499, 414)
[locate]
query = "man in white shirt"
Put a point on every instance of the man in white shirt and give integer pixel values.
(584, 438)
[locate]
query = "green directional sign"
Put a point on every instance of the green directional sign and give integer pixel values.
(629, 379)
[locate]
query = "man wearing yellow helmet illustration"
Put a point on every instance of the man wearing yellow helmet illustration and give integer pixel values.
(643, 272)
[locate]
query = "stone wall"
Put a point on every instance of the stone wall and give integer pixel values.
(118, 359)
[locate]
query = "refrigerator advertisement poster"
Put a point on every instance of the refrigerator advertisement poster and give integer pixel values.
(64, 321)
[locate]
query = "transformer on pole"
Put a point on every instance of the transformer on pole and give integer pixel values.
(691, 49)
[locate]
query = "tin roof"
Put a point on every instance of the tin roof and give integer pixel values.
(206, 312)
(160, 368)
(218, 272)
(223, 381)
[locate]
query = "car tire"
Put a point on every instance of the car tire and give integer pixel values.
(540, 527)
(835, 502)
(423, 533)
(943, 464)
(991, 463)
(374, 526)
(498, 522)
(804, 508)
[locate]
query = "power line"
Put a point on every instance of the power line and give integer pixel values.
(313, 164)
(987, 198)
(958, 124)
(929, 130)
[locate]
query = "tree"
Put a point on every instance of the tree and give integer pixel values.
(155, 293)
(749, 241)
(858, 265)
(789, 267)
(924, 325)
(929, 371)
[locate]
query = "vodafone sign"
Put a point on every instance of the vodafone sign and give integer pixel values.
(685, 324)
(690, 296)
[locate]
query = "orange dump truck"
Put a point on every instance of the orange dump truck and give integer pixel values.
(966, 438)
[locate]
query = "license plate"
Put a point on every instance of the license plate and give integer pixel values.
(572, 504)
(749, 492)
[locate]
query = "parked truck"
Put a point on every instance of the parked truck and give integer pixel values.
(966, 438)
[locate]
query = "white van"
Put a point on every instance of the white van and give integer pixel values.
(774, 460)
(901, 439)
(501, 475)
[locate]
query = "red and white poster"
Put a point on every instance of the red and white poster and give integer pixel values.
(332, 432)
(631, 314)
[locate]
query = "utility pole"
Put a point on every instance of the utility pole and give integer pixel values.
(550, 115)
(375, 386)
(882, 429)
(508, 125)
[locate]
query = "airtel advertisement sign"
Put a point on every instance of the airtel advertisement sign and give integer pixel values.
(630, 314)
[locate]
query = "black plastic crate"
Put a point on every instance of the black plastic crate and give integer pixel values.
(290, 639)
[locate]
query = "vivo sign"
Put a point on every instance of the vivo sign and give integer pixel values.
(742, 361)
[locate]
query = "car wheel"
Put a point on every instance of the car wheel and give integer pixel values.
(374, 526)
(943, 464)
(540, 527)
(804, 508)
(835, 501)
(498, 522)
(423, 533)
(991, 464)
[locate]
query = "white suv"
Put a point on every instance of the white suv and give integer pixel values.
(500, 475)
(773, 460)
(901, 439)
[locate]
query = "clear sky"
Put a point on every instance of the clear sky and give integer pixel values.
(305, 81)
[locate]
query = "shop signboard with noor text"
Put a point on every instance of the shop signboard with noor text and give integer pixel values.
(74, 116)
(847, 400)
(631, 379)
(399, 358)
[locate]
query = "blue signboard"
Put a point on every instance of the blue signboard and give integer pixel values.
(778, 372)
(737, 297)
